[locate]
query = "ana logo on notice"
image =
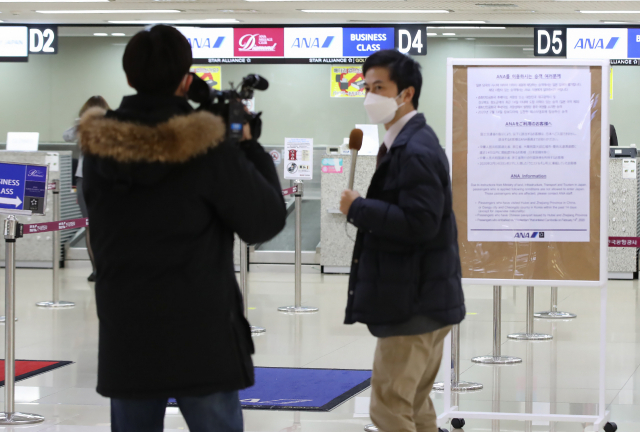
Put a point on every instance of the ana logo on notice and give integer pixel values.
(532, 235)
(595, 43)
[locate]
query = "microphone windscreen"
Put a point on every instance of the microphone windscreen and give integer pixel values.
(355, 139)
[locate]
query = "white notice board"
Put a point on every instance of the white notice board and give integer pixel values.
(298, 157)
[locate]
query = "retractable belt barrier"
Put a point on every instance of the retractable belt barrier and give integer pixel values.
(289, 191)
(624, 242)
(54, 226)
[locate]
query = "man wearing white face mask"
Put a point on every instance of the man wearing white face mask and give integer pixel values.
(405, 279)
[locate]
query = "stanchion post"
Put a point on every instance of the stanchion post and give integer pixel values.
(530, 334)
(298, 308)
(244, 286)
(456, 384)
(497, 357)
(553, 312)
(56, 303)
(10, 416)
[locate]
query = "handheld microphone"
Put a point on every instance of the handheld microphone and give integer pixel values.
(355, 144)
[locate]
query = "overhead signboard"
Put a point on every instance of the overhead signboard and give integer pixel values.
(312, 42)
(550, 41)
(43, 39)
(209, 42)
(597, 43)
(14, 43)
(23, 189)
(328, 45)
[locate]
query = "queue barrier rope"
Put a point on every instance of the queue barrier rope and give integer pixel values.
(289, 191)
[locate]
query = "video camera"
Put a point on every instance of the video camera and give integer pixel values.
(228, 104)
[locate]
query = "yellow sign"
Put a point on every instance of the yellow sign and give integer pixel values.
(347, 82)
(212, 75)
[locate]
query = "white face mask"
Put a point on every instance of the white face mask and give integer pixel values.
(381, 109)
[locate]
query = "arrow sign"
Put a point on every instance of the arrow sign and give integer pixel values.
(23, 188)
(11, 201)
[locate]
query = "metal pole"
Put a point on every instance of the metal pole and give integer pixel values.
(456, 384)
(56, 303)
(495, 405)
(244, 286)
(298, 308)
(553, 312)
(530, 334)
(497, 357)
(9, 416)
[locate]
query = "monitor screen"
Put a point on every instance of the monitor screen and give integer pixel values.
(14, 43)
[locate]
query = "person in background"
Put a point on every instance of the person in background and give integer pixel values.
(166, 190)
(405, 281)
(71, 135)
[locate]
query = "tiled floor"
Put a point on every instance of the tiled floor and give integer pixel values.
(563, 372)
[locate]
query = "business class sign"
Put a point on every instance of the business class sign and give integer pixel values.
(329, 45)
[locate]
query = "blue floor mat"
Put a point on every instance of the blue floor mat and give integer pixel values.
(298, 389)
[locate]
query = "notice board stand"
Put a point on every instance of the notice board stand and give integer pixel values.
(546, 263)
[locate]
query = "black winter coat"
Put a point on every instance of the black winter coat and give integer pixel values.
(406, 260)
(165, 194)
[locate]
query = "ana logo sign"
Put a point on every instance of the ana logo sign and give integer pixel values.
(253, 42)
(529, 235)
(313, 42)
(362, 42)
(209, 42)
(606, 43)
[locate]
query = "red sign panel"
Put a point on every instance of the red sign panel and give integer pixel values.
(258, 42)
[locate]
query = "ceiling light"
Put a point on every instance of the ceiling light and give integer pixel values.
(456, 22)
(100, 34)
(118, 34)
(184, 21)
(497, 5)
(106, 11)
(527, 49)
(448, 34)
(615, 22)
(432, 34)
(470, 38)
(610, 12)
(378, 11)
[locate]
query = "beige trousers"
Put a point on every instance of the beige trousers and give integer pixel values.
(404, 369)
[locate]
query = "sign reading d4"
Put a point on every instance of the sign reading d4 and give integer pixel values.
(411, 39)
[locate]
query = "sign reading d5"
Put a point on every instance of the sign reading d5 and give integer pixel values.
(550, 41)
(411, 39)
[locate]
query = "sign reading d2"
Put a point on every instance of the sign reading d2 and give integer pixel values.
(411, 39)
(550, 41)
(43, 39)
(364, 41)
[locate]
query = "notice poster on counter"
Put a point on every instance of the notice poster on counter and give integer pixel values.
(529, 139)
(347, 82)
(298, 154)
(212, 75)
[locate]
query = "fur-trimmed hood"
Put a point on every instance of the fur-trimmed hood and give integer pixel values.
(177, 140)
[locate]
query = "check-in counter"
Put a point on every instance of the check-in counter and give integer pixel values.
(338, 237)
(623, 217)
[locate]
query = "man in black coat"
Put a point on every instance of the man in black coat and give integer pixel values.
(165, 193)
(405, 279)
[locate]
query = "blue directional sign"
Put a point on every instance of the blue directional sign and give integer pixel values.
(23, 188)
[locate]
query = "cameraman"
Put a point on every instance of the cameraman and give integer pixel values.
(165, 194)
